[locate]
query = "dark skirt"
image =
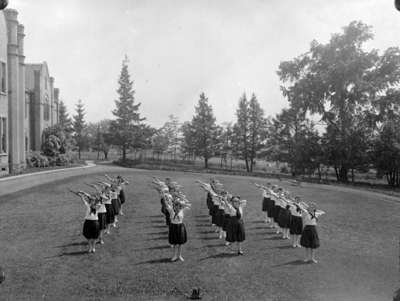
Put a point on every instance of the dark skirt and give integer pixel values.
(91, 229)
(296, 225)
(110, 217)
(284, 218)
(122, 196)
(177, 234)
(167, 218)
(275, 213)
(265, 204)
(235, 230)
(214, 212)
(116, 206)
(219, 219)
(309, 237)
(209, 201)
(270, 208)
(102, 220)
(227, 218)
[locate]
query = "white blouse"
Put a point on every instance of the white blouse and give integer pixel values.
(176, 218)
(113, 195)
(102, 208)
(308, 220)
(107, 199)
(293, 211)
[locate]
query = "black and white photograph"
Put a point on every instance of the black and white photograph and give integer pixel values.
(214, 150)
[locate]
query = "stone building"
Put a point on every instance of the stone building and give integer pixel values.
(43, 103)
(16, 91)
(3, 97)
(28, 99)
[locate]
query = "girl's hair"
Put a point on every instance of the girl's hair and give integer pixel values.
(235, 197)
(288, 207)
(92, 209)
(313, 216)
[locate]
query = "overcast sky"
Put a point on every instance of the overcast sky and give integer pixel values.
(178, 49)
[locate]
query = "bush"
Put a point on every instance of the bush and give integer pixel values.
(284, 170)
(63, 160)
(35, 159)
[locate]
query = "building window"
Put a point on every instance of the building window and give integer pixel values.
(26, 144)
(46, 110)
(3, 135)
(3, 77)
(26, 104)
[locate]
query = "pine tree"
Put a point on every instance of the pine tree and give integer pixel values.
(242, 131)
(64, 119)
(257, 129)
(79, 126)
(126, 129)
(205, 130)
(250, 130)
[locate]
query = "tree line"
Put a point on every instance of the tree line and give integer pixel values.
(344, 114)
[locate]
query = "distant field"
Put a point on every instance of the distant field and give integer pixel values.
(235, 164)
(43, 252)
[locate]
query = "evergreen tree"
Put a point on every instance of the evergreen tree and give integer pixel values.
(64, 119)
(171, 130)
(204, 130)
(127, 130)
(242, 131)
(257, 129)
(79, 126)
(187, 144)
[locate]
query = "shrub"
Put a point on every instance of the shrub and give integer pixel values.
(284, 169)
(63, 160)
(35, 159)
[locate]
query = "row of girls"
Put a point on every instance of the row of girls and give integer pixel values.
(173, 205)
(102, 209)
(291, 216)
(226, 213)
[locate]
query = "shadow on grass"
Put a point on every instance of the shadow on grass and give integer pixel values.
(260, 228)
(206, 232)
(75, 253)
(157, 233)
(209, 238)
(274, 238)
(160, 226)
(220, 255)
(213, 246)
(155, 261)
(257, 222)
(157, 238)
(284, 247)
(293, 262)
(82, 243)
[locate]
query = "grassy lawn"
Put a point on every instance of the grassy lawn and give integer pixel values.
(43, 252)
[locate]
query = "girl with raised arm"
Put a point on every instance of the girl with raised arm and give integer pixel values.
(296, 223)
(236, 232)
(177, 235)
(91, 228)
(309, 237)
